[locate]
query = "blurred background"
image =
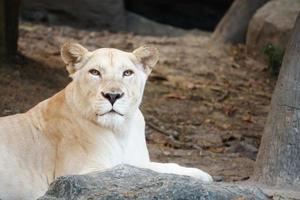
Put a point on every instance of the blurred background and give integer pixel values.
(207, 101)
(141, 17)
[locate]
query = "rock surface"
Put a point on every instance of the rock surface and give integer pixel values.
(94, 14)
(127, 182)
(273, 23)
(89, 14)
(143, 26)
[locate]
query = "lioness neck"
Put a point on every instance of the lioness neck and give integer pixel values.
(75, 138)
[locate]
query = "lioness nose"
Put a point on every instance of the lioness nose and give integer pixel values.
(112, 97)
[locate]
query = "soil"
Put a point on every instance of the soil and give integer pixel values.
(204, 106)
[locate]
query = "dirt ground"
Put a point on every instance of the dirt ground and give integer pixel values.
(204, 107)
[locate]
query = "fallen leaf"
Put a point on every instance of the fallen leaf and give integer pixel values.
(248, 119)
(191, 86)
(207, 121)
(173, 95)
(226, 126)
(229, 110)
(216, 149)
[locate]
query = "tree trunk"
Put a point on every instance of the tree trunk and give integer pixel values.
(9, 17)
(233, 26)
(278, 161)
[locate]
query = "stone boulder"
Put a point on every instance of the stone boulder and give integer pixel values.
(273, 23)
(127, 182)
(144, 26)
(96, 14)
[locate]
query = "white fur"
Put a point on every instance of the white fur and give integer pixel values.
(70, 132)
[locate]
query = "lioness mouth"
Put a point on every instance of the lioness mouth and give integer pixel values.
(111, 111)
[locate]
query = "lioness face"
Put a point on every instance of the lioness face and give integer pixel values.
(109, 82)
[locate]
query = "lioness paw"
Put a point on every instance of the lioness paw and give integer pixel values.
(192, 172)
(199, 174)
(172, 168)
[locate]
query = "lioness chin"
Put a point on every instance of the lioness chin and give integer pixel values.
(93, 124)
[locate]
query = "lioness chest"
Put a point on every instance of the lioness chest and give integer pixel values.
(49, 141)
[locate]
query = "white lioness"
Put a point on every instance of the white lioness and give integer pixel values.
(93, 124)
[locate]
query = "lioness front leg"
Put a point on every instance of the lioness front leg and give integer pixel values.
(172, 168)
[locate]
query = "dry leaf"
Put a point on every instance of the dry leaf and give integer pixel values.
(216, 149)
(248, 119)
(191, 86)
(173, 95)
(229, 110)
(226, 126)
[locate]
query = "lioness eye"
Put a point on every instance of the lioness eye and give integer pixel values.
(95, 72)
(127, 72)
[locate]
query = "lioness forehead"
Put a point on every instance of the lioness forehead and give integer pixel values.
(109, 57)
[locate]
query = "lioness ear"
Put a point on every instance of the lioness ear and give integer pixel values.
(148, 56)
(72, 53)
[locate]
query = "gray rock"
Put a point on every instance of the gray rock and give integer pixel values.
(143, 26)
(127, 182)
(97, 14)
(243, 148)
(273, 23)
